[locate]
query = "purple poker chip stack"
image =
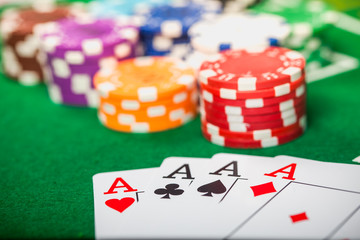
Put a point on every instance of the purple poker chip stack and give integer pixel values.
(77, 49)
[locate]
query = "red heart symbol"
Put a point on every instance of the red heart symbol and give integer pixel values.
(120, 205)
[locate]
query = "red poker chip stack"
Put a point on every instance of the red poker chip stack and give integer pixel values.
(253, 98)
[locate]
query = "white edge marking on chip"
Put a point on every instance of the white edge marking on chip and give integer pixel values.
(126, 119)
(237, 127)
(80, 83)
(270, 142)
(294, 73)
(282, 89)
(205, 74)
(171, 28)
(108, 108)
(235, 118)
(212, 129)
(61, 68)
(180, 97)
(187, 80)
(55, 93)
(218, 140)
(286, 105)
(105, 88)
(262, 134)
(102, 118)
(122, 50)
(51, 42)
(162, 43)
(176, 114)
(147, 94)
(207, 96)
(233, 110)
(254, 103)
(288, 113)
(92, 47)
(300, 91)
(74, 57)
(132, 105)
(289, 121)
(156, 111)
(92, 97)
(140, 127)
(228, 93)
(29, 78)
(246, 83)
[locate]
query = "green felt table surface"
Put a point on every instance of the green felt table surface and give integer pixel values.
(50, 152)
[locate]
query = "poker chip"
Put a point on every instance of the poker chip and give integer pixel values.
(277, 116)
(274, 71)
(230, 109)
(251, 102)
(146, 94)
(19, 30)
(164, 28)
(253, 135)
(248, 30)
(77, 49)
(262, 143)
(243, 127)
(253, 99)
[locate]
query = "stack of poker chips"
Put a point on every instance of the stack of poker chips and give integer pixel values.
(249, 30)
(76, 50)
(146, 94)
(19, 30)
(253, 99)
(164, 28)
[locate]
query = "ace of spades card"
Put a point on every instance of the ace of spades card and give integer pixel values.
(117, 194)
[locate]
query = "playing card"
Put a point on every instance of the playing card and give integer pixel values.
(303, 211)
(164, 212)
(116, 195)
(305, 198)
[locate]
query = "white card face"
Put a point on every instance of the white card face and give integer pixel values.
(301, 211)
(116, 196)
(349, 229)
(342, 177)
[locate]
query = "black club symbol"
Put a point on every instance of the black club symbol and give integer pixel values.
(170, 189)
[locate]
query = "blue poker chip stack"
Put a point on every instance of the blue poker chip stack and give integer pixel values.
(164, 28)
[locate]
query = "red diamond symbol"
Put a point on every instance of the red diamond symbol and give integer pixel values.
(263, 189)
(299, 217)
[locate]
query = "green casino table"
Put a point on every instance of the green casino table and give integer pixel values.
(50, 152)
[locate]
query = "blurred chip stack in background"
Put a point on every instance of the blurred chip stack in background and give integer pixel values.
(19, 30)
(164, 28)
(235, 31)
(77, 49)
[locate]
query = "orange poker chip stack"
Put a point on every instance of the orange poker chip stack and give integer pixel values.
(146, 94)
